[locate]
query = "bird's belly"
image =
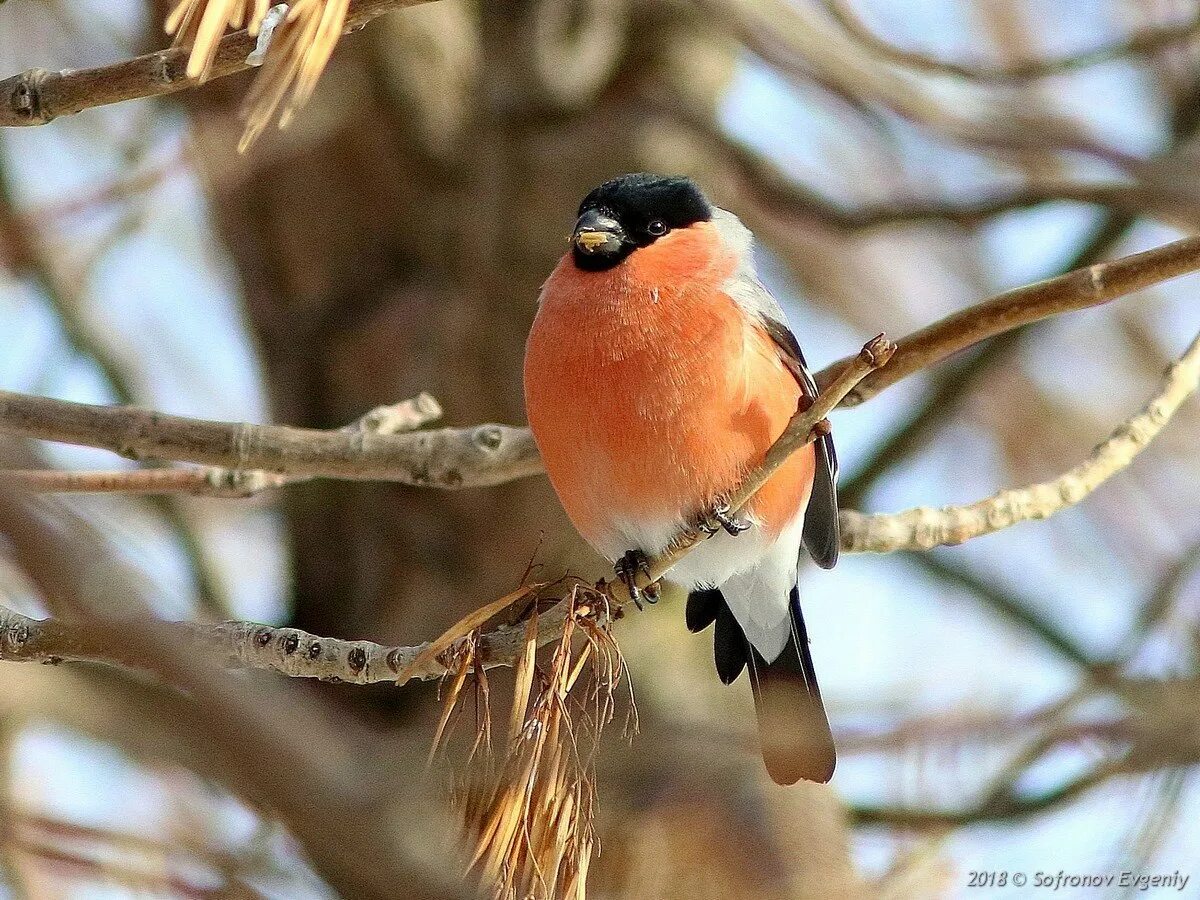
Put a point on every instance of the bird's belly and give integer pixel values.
(646, 415)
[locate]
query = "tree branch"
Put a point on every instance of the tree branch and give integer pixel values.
(1093, 285)
(243, 645)
(446, 457)
(923, 528)
(197, 481)
(38, 96)
(215, 481)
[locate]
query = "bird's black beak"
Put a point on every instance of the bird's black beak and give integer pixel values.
(599, 240)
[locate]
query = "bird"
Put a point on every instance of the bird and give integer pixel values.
(658, 371)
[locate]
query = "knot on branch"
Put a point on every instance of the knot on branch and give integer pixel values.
(238, 483)
(487, 437)
(408, 415)
(17, 635)
(877, 351)
(24, 93)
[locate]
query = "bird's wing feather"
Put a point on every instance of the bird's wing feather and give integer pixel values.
(821, 536)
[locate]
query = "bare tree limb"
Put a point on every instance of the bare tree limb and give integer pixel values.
(234, 644)
(446, 458)
(1094, 285)
(924, 528)
(204, 482)
(215, 481)
(38, 96)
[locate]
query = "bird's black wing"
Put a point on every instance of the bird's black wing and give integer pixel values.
(821, 536)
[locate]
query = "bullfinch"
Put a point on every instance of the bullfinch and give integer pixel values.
(658, 372)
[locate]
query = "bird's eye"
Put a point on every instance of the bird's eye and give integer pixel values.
(657, 228)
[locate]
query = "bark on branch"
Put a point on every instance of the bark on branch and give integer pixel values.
(445, 457)
(236, 645)
(217, 481)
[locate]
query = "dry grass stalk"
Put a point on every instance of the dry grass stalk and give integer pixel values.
(200, 24)
(461, 629)
(299, 51)
(529, 813)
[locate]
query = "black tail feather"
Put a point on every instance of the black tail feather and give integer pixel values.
(702, 608)
(793, 727)
(730, 647)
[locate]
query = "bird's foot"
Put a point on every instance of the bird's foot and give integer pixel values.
(627, 568)
(720, 517)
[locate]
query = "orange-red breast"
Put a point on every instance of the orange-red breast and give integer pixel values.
(658, 372)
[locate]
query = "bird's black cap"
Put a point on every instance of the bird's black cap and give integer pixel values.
(632, 211)
(641, 198)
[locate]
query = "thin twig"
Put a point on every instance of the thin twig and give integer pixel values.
(207, 482)
(1094, 285)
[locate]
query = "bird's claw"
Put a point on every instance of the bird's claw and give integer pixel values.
(627, 569)
(721, 518)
